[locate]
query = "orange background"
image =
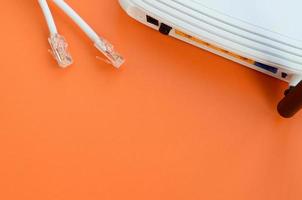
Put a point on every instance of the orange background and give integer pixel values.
(174, 122)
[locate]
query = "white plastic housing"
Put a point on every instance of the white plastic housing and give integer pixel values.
(263, 32)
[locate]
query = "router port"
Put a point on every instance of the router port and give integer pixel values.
(152, 20)
(266, 67)
(165, 29)
(284, 75)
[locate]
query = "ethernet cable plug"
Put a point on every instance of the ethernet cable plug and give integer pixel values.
(56, 41)
(102, 45)
(59, 50)
(107, 49)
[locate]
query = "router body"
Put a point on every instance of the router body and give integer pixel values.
(264, 35)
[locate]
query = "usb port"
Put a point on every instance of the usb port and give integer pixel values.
(267, 67)
(152, 20)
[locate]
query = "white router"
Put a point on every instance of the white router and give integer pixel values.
(264, 35)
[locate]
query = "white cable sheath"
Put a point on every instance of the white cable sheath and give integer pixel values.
(48, 16)
(77, 19)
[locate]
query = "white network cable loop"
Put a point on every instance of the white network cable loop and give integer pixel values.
(56, 41)
(101, 44)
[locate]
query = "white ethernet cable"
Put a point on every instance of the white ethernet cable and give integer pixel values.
(100, 43)
(56, 41)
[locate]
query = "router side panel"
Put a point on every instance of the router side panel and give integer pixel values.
(238, 59)
(141, 15)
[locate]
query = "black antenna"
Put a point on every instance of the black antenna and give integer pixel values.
(292, 102)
